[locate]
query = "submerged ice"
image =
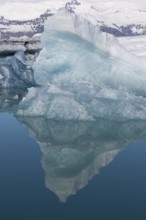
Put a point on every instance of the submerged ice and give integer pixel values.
(84, 76)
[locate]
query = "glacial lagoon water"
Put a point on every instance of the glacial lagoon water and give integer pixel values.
(72, 170)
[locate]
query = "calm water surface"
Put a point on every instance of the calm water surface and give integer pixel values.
(53, 170)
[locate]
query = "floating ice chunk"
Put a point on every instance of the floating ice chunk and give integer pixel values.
(74, 53)
(86, 78)
(15, 71)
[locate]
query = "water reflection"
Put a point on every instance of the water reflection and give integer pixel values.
(10, 98)
(74, 152)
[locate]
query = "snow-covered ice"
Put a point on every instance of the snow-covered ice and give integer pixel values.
(16, 10)
(108, 11)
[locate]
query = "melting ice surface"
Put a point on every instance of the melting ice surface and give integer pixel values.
(84, 76)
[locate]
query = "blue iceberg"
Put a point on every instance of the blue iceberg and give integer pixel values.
(85, 75)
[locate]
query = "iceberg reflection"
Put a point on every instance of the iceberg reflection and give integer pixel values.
(10, 98)
(74, 152)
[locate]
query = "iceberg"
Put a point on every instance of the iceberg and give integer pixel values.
(16, 71)
(85, 75)
(76, 48)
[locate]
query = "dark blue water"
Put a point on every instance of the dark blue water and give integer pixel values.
(42, 163)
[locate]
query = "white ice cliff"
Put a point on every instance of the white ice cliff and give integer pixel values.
(87, 74)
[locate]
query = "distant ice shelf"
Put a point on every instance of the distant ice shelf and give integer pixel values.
(120, 18)
(21, 11)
